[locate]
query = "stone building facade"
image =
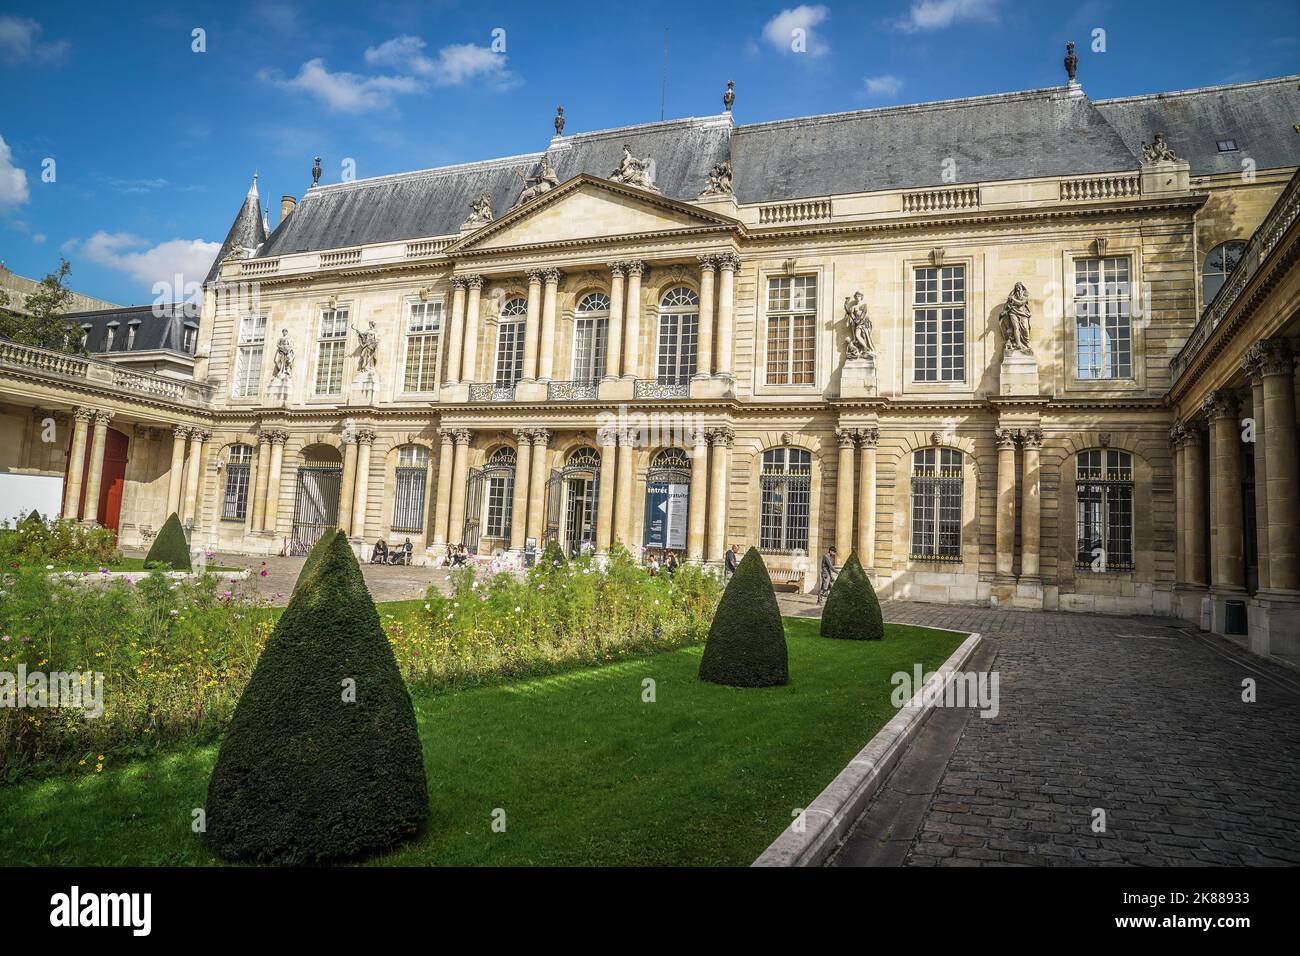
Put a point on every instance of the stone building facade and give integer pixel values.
(953, 337)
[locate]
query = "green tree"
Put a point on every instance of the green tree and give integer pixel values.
(323, 760)
(746, 645)
(44, 326)
(852, 610)
(169, 549)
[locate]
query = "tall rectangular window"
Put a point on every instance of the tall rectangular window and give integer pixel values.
(248, 356)
(785, 486)
(589, 335)
(1104, 510)
(936, 504)
(423, 325)
(234, 505)
(510, 352)
(409, 488)
(331, 349)
(791, 330)
(1103, 323)
(939, 324)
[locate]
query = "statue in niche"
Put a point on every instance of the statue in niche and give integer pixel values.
(719, 183)
(284, 355)
(633, 172)
(1014, 319)
(1158, 151)
(480, 211)
(368, 349)
(538, 185)
(858, 344)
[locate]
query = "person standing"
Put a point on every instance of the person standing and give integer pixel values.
(827, 574)
(732, 559)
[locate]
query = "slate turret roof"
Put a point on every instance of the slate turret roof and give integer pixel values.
(248, 230)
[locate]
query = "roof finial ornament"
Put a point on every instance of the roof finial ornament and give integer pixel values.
(729, 96)
(315, 173)
(559, 121)
(1071, 64)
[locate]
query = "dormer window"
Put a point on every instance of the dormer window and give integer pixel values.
(1227, 145)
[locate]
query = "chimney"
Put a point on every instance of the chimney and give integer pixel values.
(286, 206)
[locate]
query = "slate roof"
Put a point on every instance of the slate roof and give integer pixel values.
(1048, 132)
(248, 229)
(164, 330)
(1259, 116)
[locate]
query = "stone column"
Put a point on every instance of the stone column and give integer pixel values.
(533, 323)
(1006, 516)
(848, 439)
(180, 434)
(1252, 365)
(541, 438)
(632, 320)
(1278, 368)
(623, 511)
(614, 347)
(1225, 437)
(704, 352)
(546, 357)
(1031, 441)
(868, 439)
(459, 478)
(699, 501)
(729, 265)
(1194, 469)
(365, 442)
(721, 439)
(607, 439)
(263, 476)
(469, 351)
(272, 516)
(76, 462)
(194, 476)
(1180, 504)
(445, 463)
(519, 500)
(349, 478)
(95, 474)
(456, 330)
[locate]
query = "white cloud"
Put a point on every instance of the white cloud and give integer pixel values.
(937, 14)
(20, 42)
(885, 85)
(188, 258)
(454, 65)
(13, 181)
(791, 31)
(343, 92)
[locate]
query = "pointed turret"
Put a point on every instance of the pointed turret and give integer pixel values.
(247, 232)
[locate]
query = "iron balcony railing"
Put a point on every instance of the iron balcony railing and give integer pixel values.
(490, 392)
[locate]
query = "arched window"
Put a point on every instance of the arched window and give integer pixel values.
(510, 342)
(1104, 510)
(500, 471)
(590, 331)
(408, 494)
(234, 506)
(1219, 264)
(679, 329)
(936, 504)
(786, 484)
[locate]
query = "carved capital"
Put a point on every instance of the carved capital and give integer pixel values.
(473, 281)
(846, 437)
(541, 437)
(1031, 438)
(636, 268)
(869, 437)
(459, 283)
(618, 269)
(1275, 357)
(1177, 435)
(103, 415)
(722, 437)
(700, 437)
(278, 437)
(552, 276)
(523, 436)
(1006, 438)
(84, 414)
(365, 436)
(607, 437)
(537, 276)
(708, 263)
(1219, 404)
(200, 435)
(181, 431)
(729, 262)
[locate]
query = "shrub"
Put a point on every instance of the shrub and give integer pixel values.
(314, 556)
(852, 610)
(169, 549)
(746, 645)
(63, 543)
(308, 774)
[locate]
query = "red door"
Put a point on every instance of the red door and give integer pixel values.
(111, 481)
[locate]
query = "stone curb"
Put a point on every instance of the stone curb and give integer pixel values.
(828, 819)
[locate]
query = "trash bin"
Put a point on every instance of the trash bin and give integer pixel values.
(1234, 617)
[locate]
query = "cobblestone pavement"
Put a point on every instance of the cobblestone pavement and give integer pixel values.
(1132, 716)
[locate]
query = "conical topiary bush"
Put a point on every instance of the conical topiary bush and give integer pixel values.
(314, 556)
(746, 645)
(169, 549)
(852, 610)
(322, 761)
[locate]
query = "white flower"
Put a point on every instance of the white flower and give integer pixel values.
(49, 567)
(426, 607)
(518, 609)
(450, 616)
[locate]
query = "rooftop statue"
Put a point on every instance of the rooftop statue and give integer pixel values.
(1158, 151)
(480, 211)
(719, 183)
(633, 172)
(538, 185)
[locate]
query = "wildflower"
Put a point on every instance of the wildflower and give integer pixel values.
(263, 572)
(518, 609)
(426, 607)
(49, 567)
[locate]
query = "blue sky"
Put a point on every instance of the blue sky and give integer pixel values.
(154, 144)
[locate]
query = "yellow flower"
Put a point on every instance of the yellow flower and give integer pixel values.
(99, 768)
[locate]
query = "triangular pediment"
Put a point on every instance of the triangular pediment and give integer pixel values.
(587, 208)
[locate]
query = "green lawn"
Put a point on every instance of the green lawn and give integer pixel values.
(586, 773)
